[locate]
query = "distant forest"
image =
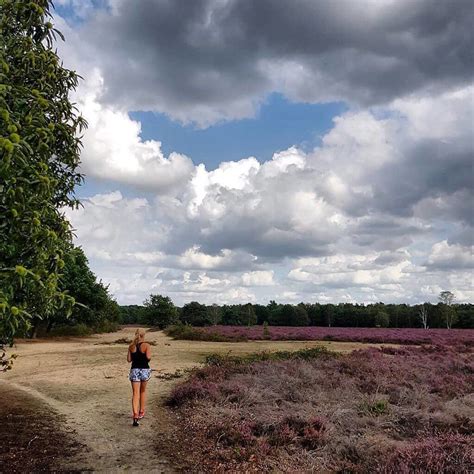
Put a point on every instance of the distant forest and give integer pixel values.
(160, 311)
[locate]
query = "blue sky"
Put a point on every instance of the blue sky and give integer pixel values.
(278, 125)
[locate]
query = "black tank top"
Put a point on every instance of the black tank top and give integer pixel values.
(139, 359)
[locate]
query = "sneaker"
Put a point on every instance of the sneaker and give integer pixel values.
(141, 414)
(135, 422)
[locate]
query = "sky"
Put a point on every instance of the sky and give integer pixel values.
(254, 150)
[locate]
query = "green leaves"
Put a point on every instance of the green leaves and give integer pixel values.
(39, 156)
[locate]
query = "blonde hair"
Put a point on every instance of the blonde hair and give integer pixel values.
(139, 334)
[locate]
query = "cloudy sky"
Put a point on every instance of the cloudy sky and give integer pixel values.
(248, 150)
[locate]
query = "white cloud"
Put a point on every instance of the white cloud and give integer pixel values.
(113, 148)
(450, 257)
(258, 278)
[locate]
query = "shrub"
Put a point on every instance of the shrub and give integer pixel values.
(190, 391)
(266, 331)
(77, 330)
(374, 407)
(447, 453)
(374, 410)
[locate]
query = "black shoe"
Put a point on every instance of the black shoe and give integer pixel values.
(135, 422)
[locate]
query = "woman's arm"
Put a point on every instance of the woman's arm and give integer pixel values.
(129, 356)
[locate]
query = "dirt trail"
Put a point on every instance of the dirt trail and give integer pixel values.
(86, 380)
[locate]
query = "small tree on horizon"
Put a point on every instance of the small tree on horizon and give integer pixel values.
(382, 320)
(160, 311)
(424, 316)
(446, 299)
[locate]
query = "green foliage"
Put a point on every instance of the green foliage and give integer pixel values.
(382, 320)
(239, 315)
(132, 314)
(289, 315)
(195, 314)
(76, 330)
(215, 314)
(94, 307)
(375, 407)
(39, 156)
(159, 311)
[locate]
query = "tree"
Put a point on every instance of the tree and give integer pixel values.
(248, 316)
(274, 313)
(262, 313)
(424, 316)
(329, 314)
(39, 156)
(160, 311)
(382, 320)
(446, 299)
(132, 314)
(94, 304)
(215, 314)
(195, 314)
(239, 315)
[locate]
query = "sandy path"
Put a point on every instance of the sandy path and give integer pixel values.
(86, 380)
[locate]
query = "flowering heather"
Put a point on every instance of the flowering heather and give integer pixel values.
(408, 409)
(369, 335)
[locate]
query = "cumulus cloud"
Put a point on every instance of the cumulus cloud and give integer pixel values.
(258, 278)
(212, 60)
(450, 257)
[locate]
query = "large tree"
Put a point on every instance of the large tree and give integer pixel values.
(195, 314)
(94, 305)
(39, 156)
(160, 311)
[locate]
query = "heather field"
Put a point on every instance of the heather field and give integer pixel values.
(367, 335)
(407, 409)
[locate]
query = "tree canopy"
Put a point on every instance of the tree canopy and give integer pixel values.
(39, 157)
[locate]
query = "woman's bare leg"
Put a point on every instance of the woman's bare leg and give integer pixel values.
(135, 398)
(142, 396)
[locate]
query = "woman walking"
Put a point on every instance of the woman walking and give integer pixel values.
(139, 354)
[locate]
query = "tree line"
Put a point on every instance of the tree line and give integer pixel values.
(160, 311)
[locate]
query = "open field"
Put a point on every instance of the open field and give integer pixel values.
(390, 410)
(84, 382)
(361, 335)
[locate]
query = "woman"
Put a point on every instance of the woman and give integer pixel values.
(139, 354)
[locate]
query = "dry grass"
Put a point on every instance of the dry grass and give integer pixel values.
(372, 410)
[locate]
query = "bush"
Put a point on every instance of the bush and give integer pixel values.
(106, 326)
(188, 332)
(81, 329)
(77, 330)
(302, 354)
(447, 453)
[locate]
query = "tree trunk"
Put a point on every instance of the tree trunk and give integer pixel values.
(34, 329)
(50, 326)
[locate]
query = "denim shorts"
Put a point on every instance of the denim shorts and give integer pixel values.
(139, 375)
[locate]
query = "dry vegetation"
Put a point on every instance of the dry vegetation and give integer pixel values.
(386, 410)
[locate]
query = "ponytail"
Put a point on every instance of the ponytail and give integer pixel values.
(139, 334)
